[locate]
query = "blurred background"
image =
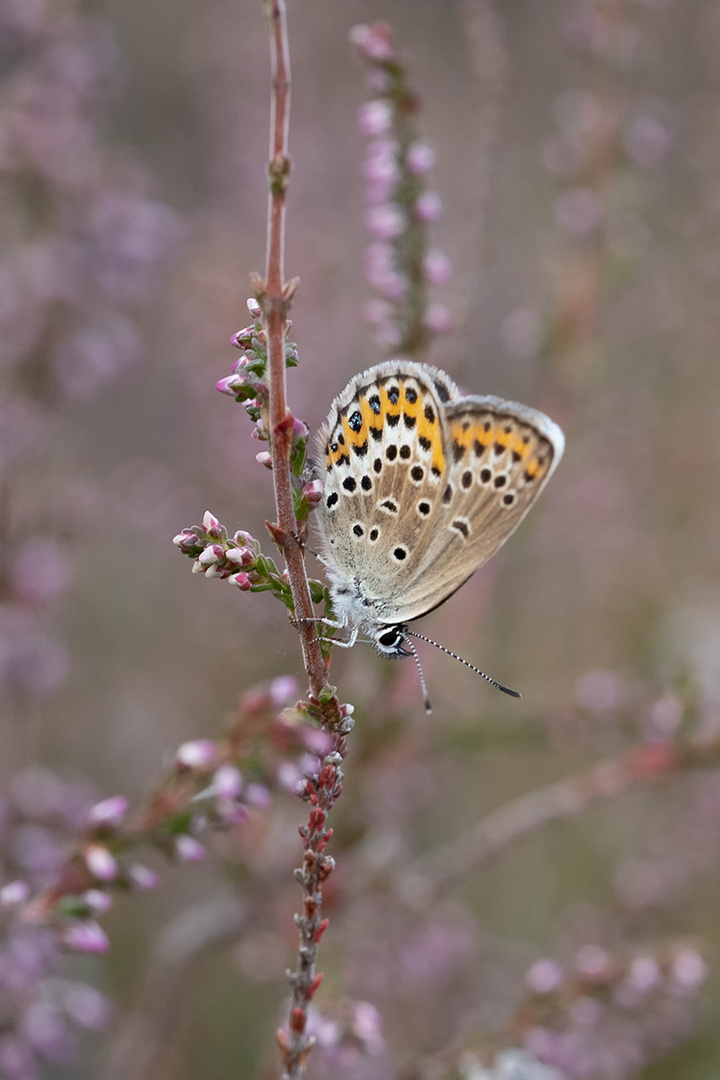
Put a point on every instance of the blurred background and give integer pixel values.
(577, 159)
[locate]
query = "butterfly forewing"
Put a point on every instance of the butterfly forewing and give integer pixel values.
(421, 486)
(386, 465)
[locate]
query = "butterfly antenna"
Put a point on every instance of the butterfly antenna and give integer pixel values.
(497, 685)
(416, 658)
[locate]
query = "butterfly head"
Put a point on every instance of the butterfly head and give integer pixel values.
(391, 641)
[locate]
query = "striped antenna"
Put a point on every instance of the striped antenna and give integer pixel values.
(497, 685)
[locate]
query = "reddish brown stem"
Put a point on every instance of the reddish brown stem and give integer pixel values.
(275, 296)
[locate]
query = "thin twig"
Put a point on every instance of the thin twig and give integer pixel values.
(275, 297)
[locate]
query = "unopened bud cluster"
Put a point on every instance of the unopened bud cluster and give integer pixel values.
(248, 382)
(237, 559)
(399, 264)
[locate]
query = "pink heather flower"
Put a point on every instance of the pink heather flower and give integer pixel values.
(313, 491)
(437, 267)
(689, 969)
(110, 811)
(367, 1027)
(86, 936)
(14, 893)
(320, 742)
(393, 285)
(264, 458)
(283, 690)
(438, 318)
(100, 862)
(258, 795)
(374, 41)
(300, 430)
(240, 556)
(210, 522)
(420, 158)
(377, 312)
(142, 877)
(243, 581)
(227, 782)
(188, 849)
(97, 900)
(644, 974)
(291, 777)
(212, 554)
(254, 308)
(375, 117)
(428, 206)
(229, 385)
(544, 976)
(386, 222)
(199, 754)
(186, 538)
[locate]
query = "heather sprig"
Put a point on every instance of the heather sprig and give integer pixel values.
(400, 265)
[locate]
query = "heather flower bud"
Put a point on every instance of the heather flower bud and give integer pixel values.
(210, 523)
(375, 117)
(438, 318)
(300, 431)
(264, 458)
(386, 222)
(428, 206)
(86, 936)
(242, 581)
(142, 877)
(437, 267)
(14, 893)
(100, 862)
(313, 492)
(227, 782)
(188, 849)
(229, 385)
(97, 901)
(240, 556)
(110, 812)
(198, 754)
(212, 554)
(254, 308)
(420, 158)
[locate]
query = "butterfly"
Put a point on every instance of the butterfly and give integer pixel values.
(421, 486)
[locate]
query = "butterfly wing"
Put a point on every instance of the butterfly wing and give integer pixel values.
(384, 467)
(501, 455)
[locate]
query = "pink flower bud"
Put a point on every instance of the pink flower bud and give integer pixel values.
(428, 206)
(142, 877)
(375, 117)
(199, 754)
(242, 581)
(544, 976)
(86, 936)
(100, 862)
(239, 556)
(283, 690)
(212, 554)
(386, 222)
(227, 782)
(300, 431)
(188, 849)
(313, 492)
(14, 893)
(437, 267)
(263, 458)
(229, 385)
(109, 812)
(210, 522)
(373, 41)
(438, 318)
(258, 795)
(97, 900)
(254, 308)
(420, 158)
